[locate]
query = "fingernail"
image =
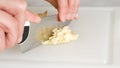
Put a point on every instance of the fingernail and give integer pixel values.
(19, 40)
(72, 16)
(69, 16)
(63, 18)
(76, 16)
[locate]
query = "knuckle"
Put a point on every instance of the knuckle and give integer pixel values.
(61, 12)
(72, 6)
(72, 10)
(63, 8)
(11, 41)
(22, 5)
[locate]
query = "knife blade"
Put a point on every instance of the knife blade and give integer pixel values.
(30, 38)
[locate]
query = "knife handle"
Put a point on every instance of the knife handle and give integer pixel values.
(26, 31)
(27, 26)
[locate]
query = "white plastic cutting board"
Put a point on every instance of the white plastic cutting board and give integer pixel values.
(93, 46)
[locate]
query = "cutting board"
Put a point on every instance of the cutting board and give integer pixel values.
(94, 46)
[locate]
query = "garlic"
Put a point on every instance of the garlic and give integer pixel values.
(61, 35)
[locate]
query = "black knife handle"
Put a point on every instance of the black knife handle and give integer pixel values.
(25, 33)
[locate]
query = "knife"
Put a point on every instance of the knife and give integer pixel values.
(32, 31)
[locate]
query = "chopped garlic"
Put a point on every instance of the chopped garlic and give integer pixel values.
(61, 35)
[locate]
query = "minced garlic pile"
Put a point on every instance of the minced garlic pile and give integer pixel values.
(61, 35)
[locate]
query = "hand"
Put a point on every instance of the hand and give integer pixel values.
(13, 14)
(67, 9)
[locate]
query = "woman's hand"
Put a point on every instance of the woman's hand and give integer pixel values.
(13, 14)
(67, 9)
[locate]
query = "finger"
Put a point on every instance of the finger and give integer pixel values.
(20, 23)
(62, 9)
(8, 24)
(2, 40)
(71, 11)
(14, 7)
(77, 5)
(32, 17)
(19, 7)
(21, 18)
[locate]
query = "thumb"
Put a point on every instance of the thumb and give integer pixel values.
(32, 17)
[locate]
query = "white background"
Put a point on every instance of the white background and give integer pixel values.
(87, 3)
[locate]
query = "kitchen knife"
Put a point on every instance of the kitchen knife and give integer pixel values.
(31, 33)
